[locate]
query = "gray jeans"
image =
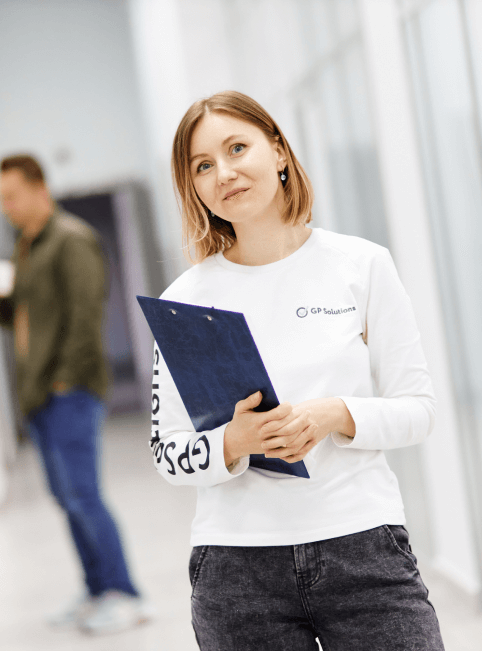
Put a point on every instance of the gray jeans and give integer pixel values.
(361, 592)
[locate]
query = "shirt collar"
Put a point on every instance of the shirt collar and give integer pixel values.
(48, 225)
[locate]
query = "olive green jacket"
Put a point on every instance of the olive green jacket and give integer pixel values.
(62, 283)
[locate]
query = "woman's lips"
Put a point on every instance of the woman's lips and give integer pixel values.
(236, 194)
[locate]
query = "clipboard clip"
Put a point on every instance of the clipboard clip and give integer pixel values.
(208, 316)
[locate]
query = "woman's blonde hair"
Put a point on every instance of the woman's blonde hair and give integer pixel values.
(209, 234)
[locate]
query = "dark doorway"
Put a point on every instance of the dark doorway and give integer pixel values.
(99, 211)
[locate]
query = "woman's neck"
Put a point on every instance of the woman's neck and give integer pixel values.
(259, 247)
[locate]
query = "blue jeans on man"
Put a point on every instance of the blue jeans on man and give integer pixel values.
(66, 431)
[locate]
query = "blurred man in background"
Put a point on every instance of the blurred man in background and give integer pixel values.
(56, 310)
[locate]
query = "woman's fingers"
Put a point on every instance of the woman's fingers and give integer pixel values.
(273, 426)
(283, 450)
(291, 426)
(278, 442)
(302, 453)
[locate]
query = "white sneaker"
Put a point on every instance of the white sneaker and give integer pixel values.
(116, 611)
(80, 607)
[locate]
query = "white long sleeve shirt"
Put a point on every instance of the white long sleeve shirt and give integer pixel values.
(331, 319)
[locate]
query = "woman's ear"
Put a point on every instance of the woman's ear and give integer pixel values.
(281, 154)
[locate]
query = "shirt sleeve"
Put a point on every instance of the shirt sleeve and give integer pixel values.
(403, 413)
(182, 455)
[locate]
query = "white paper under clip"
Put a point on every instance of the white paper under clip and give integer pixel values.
(7, 277)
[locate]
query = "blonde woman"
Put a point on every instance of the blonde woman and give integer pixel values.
(277, 560)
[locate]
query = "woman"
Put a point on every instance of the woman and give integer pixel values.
(277, 560)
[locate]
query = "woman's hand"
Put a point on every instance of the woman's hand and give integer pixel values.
(330, 415)
(250, 430)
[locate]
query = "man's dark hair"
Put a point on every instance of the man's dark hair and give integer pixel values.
(30, 167)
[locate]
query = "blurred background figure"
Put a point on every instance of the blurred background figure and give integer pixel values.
(56, 308)
(382, 101)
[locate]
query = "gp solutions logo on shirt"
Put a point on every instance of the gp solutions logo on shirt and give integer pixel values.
(302, 312)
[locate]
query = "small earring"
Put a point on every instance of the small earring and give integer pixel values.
(283, 176)
(212, 214)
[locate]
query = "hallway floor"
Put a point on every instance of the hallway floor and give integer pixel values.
(38, 568)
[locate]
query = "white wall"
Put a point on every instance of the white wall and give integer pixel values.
(68, 91)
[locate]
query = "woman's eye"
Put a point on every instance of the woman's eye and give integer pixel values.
(238, 148)
(202, 167)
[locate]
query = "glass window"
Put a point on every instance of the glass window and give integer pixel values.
(357, 192)
(473, 16)
(440, 46)
(453, 177)
(317, 21)
(346, 17)
(312, 53)
(313, 156)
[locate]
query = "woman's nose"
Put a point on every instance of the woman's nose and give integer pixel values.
(226, 172)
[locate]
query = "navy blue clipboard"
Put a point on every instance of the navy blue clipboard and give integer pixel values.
(214, 362)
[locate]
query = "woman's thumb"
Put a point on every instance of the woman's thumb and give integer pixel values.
(250, 402)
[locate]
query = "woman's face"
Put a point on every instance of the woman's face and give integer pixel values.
(235, 168)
